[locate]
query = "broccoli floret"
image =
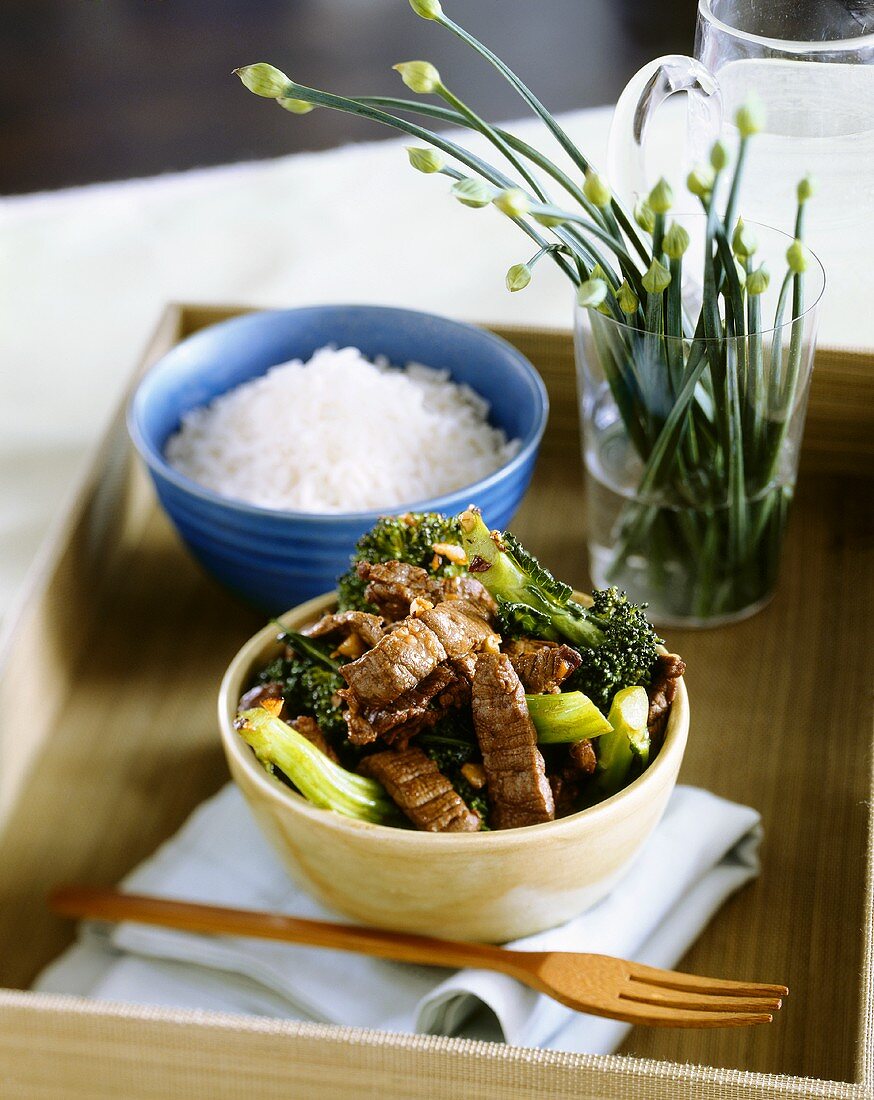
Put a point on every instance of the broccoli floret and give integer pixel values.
(626, 655)
(518, 620)
(408, 538)
(319, 688)
(447, 753)
(530, 598)
(310, 682)
(615, 639)
(626, 744)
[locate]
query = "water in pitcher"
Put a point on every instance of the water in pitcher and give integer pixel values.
(819, 119)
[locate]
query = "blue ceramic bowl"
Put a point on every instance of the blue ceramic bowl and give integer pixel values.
(275, 559)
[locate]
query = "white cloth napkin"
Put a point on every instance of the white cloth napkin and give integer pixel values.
(702, 851)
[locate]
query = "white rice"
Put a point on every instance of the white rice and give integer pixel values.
(340, 434)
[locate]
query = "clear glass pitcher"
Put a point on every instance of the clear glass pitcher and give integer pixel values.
(811, 64)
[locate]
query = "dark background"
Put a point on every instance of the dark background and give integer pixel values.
(106, 89)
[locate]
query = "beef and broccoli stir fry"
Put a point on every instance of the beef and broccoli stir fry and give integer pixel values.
(459, 687)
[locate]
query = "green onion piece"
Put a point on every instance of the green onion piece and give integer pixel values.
(629, 739)
(563, 719)
(319, 779)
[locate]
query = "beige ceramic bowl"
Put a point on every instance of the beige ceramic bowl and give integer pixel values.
(491, 886)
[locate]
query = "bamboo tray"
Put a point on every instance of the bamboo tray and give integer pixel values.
(108, 677)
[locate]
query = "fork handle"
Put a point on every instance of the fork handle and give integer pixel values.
(99, 903)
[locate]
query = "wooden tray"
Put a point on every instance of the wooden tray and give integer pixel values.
(107, 688)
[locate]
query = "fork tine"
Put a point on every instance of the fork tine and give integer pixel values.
(632, 1012)
(641, 993)
(675, 979)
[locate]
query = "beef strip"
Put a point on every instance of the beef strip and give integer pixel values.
(395, 664)
(360, 731)
(414, 705)
(397, 722)
(519, 792)
(310, 729)
(458, 627)
(421, 790)
(668, 669)
(389, 684)
(465, 667)
(463, 586)
(369, 628)
(393, 585)
(542, 666)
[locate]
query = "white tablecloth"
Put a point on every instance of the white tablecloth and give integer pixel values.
(84, 274)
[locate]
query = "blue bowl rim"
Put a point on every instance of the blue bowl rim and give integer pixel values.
(156, 462)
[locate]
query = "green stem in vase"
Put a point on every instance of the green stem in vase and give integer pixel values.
(749, 120)
(775, 368)
(623, 384)
(675, 243)
(571, 217)
(756, 398)
(702, 599)
(606, 215)
(653, 366)
(538, 108)
(798, 260)
(444, 114)
(738, 519)
(580, 250)
(481, 126)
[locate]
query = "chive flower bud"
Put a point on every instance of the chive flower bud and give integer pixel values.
(471, 191)
(750, 118)
(518, 277)
(661, 197)
(419, 76)
(424, 159)
(295, 106)
(644, 215)
(627, 299)
(758, 280)
(700, 181)
(806, 189)
(657, 279)
(591, 293)
(550, 221)
(512, 202)
(428, 9)
(676, 241)
(797, 257)
(744, 241)
(264, 80)
(719, 156)
(596, 189)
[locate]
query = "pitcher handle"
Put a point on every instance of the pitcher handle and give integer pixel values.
(641, 98)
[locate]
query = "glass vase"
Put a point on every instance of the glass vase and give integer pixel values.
(691, 445)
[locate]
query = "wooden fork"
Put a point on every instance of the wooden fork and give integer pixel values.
(597, 984)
